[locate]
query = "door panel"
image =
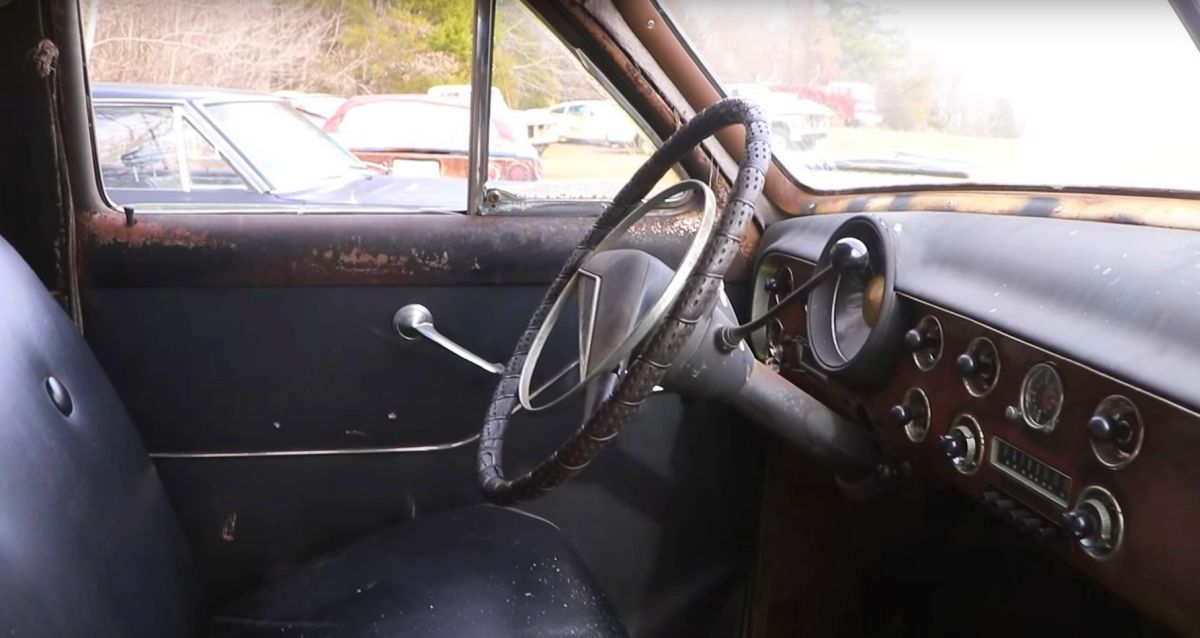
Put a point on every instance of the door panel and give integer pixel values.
(303, 368)
(267, 333)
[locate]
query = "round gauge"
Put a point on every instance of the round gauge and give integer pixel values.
(855, 320)
(1041, 397)
(784, 280)
(850, 326)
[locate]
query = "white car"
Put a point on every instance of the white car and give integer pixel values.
(796, 123)
(586, 122)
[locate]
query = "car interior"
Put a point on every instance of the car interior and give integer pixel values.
(726, 404)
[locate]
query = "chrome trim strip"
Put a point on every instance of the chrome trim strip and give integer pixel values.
(439, 447)
(481, 103)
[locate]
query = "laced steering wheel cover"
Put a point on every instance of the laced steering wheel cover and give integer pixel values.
(664, 342)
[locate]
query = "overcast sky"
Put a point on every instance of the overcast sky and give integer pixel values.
(1125, 71)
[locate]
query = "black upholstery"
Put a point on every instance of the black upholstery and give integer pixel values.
(89, 545)
(478, 572)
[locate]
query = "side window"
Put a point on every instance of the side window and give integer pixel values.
(138, 147)
(206, 168)
(586, 143)
(344, 103)
(155, 148)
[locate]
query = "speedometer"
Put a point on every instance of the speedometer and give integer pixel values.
(850, 327)
(1041, 397)
(855, 319)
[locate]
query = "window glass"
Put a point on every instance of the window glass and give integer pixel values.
(866, 93)
(585, 143)
(353, 102)
(283, 145)
(138, 147)
(205, 166)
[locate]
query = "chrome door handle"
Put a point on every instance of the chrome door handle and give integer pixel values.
(414, 322)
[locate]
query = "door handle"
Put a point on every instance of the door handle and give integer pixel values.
(414, 322)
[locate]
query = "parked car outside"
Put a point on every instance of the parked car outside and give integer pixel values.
(317, 107)
(588, 122)
(502, 114)
(796, 124)
(172, 146)
(866, 109)
(423, 136)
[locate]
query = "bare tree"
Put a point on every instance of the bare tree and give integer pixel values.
(264, 45)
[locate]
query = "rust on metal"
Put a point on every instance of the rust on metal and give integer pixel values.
(661, 115)
(693, 83)
(110, 228)
(351, 249)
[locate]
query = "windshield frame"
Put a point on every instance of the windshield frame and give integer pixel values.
(1188, 12)
(204, 108)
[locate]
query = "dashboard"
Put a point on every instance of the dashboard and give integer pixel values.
(1046, 368)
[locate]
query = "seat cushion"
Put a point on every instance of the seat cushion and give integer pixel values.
(89, 545)
(478, 571)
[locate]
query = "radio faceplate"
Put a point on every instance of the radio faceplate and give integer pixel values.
(1030, 472)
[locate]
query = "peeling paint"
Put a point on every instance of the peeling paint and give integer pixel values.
(107, 229)
(1166, 212)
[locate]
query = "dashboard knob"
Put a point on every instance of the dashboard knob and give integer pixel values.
(1105, 430)
(1096, 524)
(849, 256)
(968, 366)
(901, 414)
(916, 340)
(1081, 523)
(954, 445)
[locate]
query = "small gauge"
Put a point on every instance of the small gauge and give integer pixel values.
(783, 282)
(1042, 397)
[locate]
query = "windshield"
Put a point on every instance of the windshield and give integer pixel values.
(282, 144)
(1053, 93)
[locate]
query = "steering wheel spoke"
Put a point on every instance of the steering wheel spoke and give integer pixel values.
(630, 302)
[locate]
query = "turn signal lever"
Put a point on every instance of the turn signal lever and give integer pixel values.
(848, 256)
(704, 368)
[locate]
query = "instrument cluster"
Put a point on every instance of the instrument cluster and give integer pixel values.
(1054, 448)
(1093, 467)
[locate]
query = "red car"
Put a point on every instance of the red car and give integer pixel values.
(419, 135)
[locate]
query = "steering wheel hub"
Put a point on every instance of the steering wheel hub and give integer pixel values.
(645, 353)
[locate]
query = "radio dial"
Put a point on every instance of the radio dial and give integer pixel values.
(954, 445)
(1096, 522)
(963, 444)
(1083, 522)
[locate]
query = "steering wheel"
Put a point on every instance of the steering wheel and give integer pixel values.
(636, 314)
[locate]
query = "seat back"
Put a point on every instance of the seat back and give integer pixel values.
(89, 545)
